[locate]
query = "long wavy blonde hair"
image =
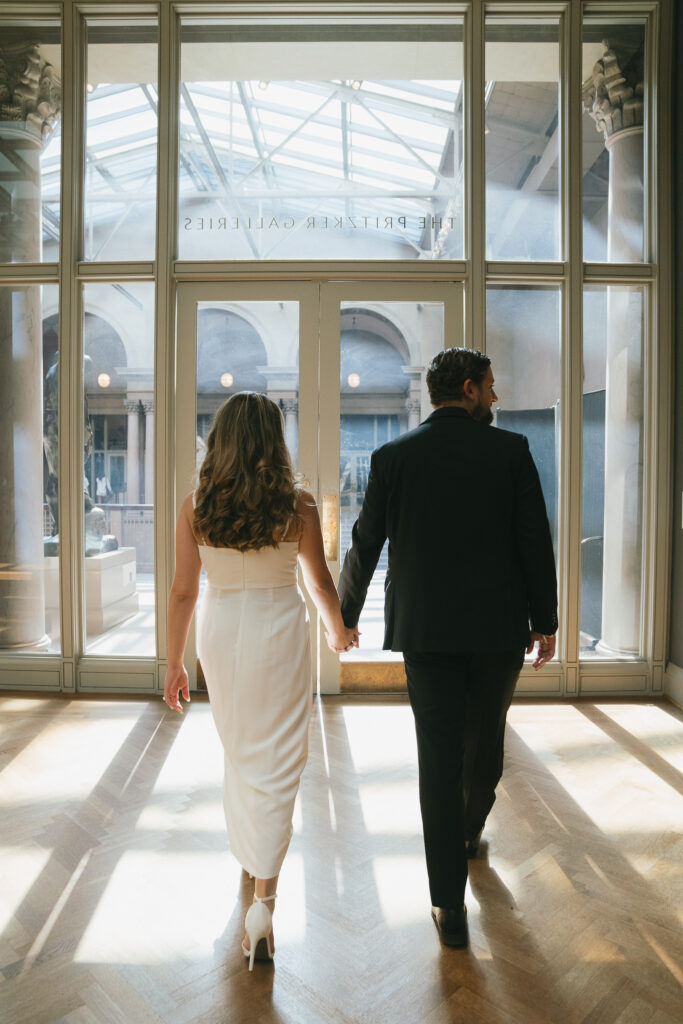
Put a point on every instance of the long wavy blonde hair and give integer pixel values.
(247, 493)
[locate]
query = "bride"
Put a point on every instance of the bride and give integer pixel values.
(248, 524)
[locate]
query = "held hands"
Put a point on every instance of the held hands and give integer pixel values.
(546, 648)
(343, 639)
(176, 683)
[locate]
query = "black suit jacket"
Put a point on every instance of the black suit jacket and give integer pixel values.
(470, 554)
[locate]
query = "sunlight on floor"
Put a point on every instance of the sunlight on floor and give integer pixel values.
(600, 772)
(197, 758)
(196, 817)
(380, 737)
(402, 889)
(64, 763)
(661, 731)
(391, 808)
(182, 904)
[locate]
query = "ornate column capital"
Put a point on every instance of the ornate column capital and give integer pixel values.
(147, 406)
(289, 405)
(132, 406)
(613, 95)
(30, 89)
(413, 405)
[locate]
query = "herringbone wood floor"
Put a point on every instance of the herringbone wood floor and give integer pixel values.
(119, 902)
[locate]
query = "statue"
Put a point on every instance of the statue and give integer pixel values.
(96, 541)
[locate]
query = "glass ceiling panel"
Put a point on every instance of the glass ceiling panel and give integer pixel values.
(324, 142)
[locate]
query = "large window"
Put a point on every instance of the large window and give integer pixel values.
(453, 150)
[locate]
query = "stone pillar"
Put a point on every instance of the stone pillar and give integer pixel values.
(290, 408)
(416, 376)
(613, 96)
(133, 452)
(282, 385)
(29, 105)
(413, 407)
(148, 406)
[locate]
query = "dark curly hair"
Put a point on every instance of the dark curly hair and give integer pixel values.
(449, 370)
(247, 493)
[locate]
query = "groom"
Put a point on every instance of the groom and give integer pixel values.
(470, 586)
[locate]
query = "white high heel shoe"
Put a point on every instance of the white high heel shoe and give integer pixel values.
(258, 925)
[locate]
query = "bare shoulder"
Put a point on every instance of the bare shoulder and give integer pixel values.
(186, 515)
(305, 503)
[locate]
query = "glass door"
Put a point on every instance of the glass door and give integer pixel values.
(245, 337)
(376, 341)
(346, 363)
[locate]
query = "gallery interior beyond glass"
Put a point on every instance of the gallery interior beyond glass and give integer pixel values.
(197, 200)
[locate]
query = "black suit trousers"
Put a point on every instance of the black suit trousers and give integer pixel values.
(460, 702)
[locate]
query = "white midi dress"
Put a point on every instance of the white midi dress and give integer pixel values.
(254, 646)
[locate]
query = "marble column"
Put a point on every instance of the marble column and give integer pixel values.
(148, 407)
(415, 375)
(413, 408)
(133, 452)
(613, 95)
(29, 105)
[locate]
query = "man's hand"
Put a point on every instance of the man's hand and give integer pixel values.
(546, 648)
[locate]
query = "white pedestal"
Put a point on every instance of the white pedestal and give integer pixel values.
(110, 590)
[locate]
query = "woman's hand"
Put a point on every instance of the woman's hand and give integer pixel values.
(176, 683)
(342, 639)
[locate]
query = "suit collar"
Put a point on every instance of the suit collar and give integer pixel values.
(449, 412)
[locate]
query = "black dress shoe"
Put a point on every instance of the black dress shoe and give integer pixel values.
(472, 845)
(451, 925)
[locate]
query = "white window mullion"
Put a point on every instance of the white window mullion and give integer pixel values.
(71, 543)
(475, 178)
(164, 360)
(569, 555)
